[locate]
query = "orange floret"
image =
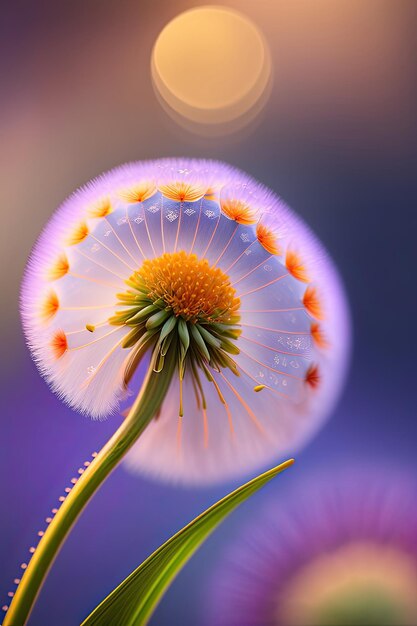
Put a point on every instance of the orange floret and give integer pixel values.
(313, 377)
(79, 233)
(59, 268)
(59, 344)
(139, 192)
(318, 336)
(312, 303)
(296, 267)
(239, 211)
(100, 209)
(268, 239)
(182, 191)
(49, 306)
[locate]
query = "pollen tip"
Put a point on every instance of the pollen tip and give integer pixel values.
(90, 328)
(59, 344)
(259, 388)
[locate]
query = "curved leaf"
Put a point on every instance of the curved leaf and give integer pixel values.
(134, 600)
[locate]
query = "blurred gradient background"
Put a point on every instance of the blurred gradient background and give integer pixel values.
(337, 140)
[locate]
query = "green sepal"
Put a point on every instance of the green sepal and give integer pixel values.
(208, 337)
(158, 318)
(199, 342)
(166, 343)
(183, 333)
(143, 314)
(168, 327)
(229, 347)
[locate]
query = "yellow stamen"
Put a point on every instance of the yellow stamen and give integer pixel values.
(259, 388)
(189, 286)
(181, 409)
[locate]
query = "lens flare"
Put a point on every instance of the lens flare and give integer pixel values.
(211, 66)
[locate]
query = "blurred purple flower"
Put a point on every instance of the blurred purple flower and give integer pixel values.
(343, 553)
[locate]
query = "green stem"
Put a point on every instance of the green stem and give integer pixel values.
(147, 404)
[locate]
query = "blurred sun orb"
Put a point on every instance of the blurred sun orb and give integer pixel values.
(211, 65)
(195, 257)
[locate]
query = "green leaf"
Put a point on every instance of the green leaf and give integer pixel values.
(134, 600)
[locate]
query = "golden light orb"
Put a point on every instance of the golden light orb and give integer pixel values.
(211, 65)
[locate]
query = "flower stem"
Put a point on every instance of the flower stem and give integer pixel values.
(147, 404)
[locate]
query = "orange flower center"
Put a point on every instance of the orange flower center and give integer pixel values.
(190, 287)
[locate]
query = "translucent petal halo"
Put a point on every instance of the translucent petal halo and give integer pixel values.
(294, 339)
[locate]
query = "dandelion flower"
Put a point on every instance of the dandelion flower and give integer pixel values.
(343, 553)
(194, 261)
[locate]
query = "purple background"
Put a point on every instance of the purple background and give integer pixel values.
(337, 140)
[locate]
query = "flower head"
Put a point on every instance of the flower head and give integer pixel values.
(341, 554)
(198, 258)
